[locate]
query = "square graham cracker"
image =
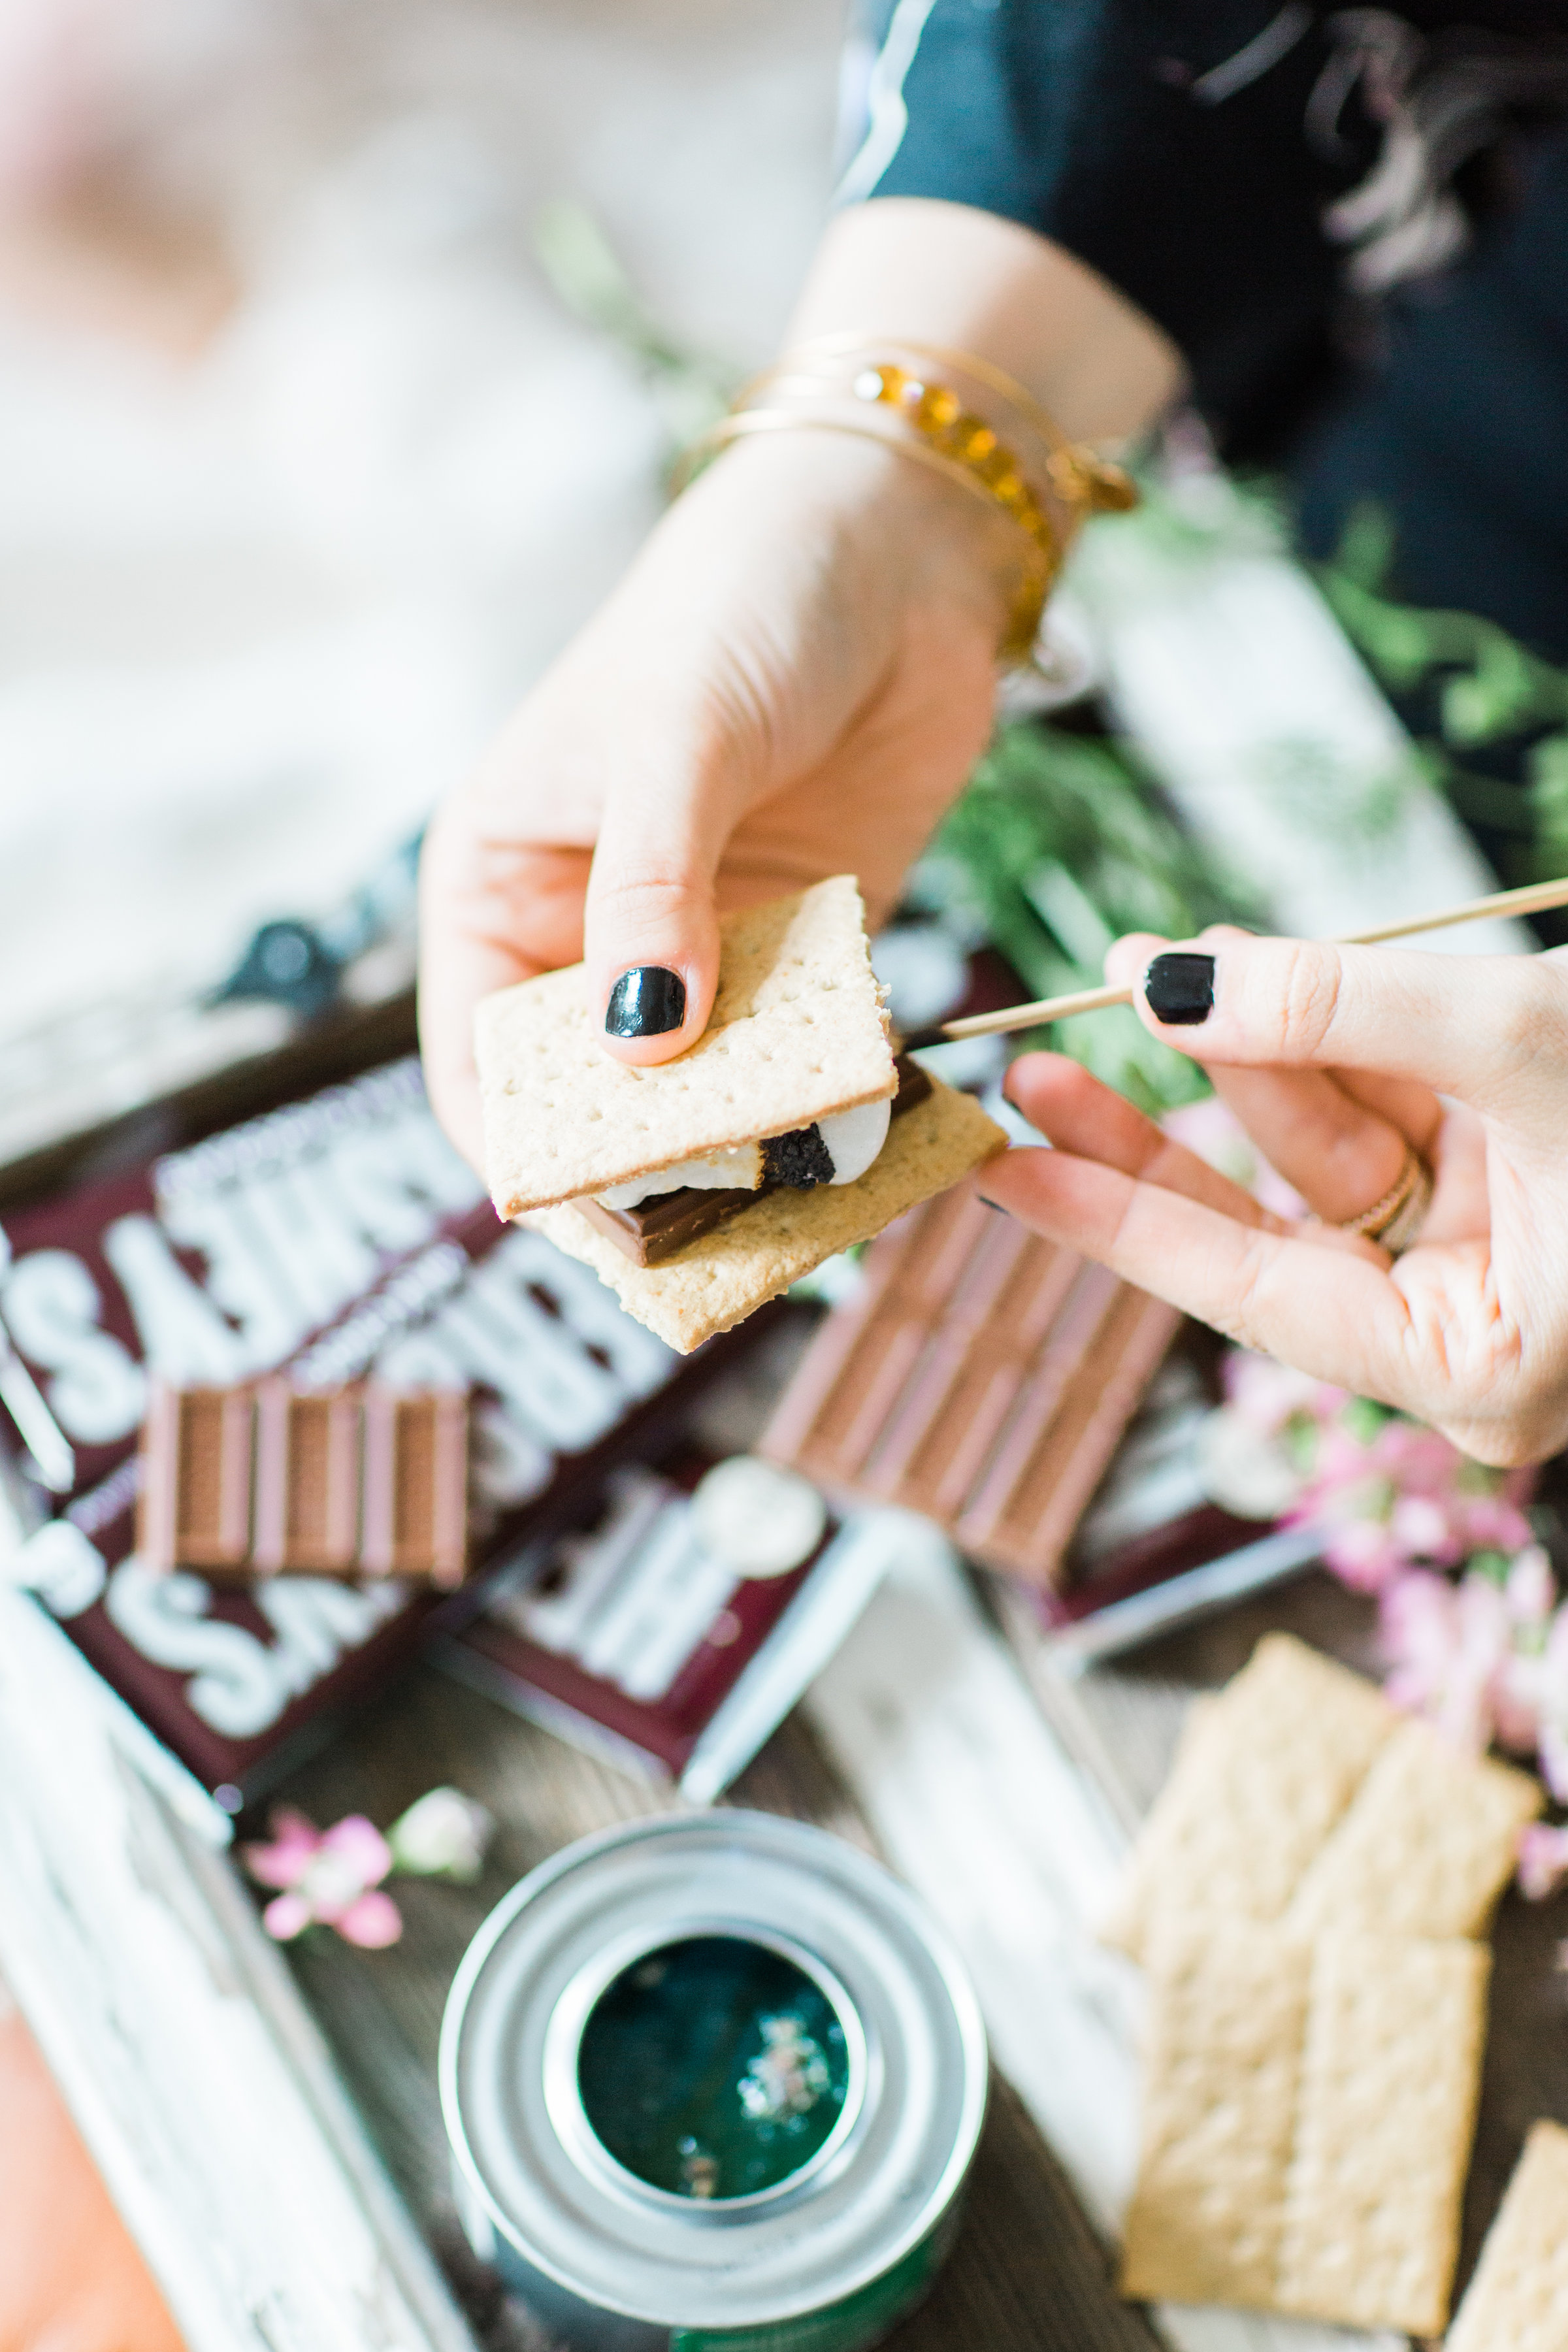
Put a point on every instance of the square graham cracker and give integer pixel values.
(1426, 1846)
(1260, 1781)
(797, 1031)
(1299, 1794)
(1518, 2299)
(720, 1280)
(1307, 2122)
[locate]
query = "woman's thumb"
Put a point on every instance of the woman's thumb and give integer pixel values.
(650, 935)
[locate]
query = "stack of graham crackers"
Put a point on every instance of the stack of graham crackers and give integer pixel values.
(1310, 1898)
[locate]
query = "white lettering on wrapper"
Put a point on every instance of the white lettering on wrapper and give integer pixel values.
(399, 1187)
(243, 1276)
(52, 1308)
(535, 1362)
(641, 1362)
(236, 1684)
(239, 1685)
(318, 1621)
(184, 1337)
(61, 1566)
(510, 1467)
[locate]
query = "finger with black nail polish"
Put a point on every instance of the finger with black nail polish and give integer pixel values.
(646, 1002)
(1179, 989)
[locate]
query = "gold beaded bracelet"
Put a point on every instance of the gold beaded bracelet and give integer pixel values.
(1045, 484)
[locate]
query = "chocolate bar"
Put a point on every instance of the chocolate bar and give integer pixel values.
(266, 1480)
(657, 1228)
(982, 1376)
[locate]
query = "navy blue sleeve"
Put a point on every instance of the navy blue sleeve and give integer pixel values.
(1184, 149)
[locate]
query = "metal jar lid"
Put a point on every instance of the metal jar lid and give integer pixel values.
(877, 2186)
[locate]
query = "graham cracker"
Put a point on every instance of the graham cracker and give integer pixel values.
(1226, 2022)
(1309, 2110)
(1259, 1787)
(1518, 2299)
(724, 1275)
(1428, 1845)
(1386, 2111)
(797, 1031)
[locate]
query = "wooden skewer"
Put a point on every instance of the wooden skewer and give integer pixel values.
(1534, 899)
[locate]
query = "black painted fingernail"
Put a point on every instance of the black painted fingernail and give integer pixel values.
(1180, 988)
(646, 1002)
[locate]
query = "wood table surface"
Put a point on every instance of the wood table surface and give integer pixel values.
(1027, 2270)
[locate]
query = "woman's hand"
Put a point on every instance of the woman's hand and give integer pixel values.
(1336, 1059)
(794, 680)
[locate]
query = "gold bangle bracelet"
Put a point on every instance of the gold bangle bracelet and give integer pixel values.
(873, 391)
(1107, 487)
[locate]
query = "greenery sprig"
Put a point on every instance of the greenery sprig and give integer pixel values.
(1061, 843)
(1487, 688)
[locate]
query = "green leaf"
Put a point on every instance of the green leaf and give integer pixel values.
(1061, 843)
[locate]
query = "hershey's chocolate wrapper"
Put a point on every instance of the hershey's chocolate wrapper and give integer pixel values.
(340, 1238)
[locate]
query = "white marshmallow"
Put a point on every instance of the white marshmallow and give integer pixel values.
(854, 1138)
(739, 1170)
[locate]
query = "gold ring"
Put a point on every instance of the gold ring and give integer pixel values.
(1394, 1221)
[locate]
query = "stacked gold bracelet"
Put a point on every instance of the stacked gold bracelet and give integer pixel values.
(956, 413)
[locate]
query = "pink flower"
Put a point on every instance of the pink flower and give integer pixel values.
(1531, 1589)
(1423, 1529)
(1362, 1552)
(1267, 1394)
(331, 1875)
(1552, 1700)
(1417, 1459)
(1543, 1860)
(1492, 1523)
(1448, 1645)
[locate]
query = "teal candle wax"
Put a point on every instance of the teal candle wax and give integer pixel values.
(713, 2067)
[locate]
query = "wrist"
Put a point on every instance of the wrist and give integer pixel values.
(894, 529)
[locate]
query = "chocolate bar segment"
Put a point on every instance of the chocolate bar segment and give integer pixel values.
(264, 1479)
(194, 1510)
(657, 1228)
(416, 1485)
(307, 1504)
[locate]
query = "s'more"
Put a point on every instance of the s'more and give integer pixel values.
(699, 1188)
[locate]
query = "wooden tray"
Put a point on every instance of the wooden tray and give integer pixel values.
(942, 1737)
